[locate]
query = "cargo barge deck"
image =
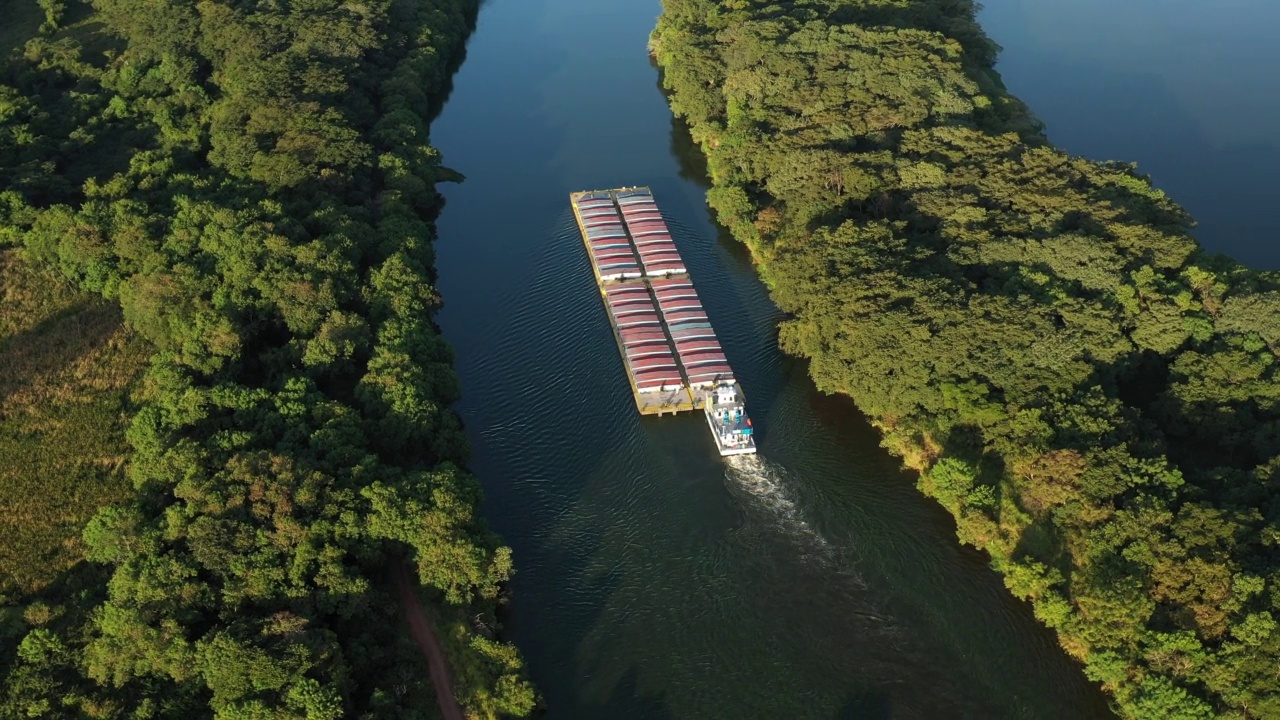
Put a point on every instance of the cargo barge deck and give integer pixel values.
(671, 354)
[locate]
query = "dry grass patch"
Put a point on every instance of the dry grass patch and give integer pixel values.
(68, 364)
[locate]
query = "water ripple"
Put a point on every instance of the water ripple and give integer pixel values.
(750, 587)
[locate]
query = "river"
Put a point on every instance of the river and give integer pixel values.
(1187, 89)
(655, 579)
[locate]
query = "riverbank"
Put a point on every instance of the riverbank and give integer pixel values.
(1038, 334)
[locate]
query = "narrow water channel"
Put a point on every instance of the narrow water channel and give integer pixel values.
(655, 579)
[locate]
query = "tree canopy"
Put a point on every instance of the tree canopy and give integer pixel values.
(253, 183)
(1094, 398)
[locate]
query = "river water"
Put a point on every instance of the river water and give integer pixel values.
(655, 579)
(1189, 90)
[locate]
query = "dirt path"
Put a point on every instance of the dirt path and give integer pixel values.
(423, 634)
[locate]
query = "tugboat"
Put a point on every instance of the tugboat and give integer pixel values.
(727, 416)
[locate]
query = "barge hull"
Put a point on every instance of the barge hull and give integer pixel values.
(673, 359)
(657, 385)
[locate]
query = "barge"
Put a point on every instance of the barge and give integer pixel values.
(671, 354)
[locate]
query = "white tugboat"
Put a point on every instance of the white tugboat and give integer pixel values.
(727, 416)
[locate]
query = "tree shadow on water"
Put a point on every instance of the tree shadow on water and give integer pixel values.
(627, 700)
(867, 704)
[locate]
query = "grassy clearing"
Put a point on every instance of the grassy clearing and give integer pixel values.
(21, 20)
(68, 365)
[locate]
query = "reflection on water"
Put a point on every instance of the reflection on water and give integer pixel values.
(1187, 89)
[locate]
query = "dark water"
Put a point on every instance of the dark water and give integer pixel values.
(1190, 90)
(656, 580)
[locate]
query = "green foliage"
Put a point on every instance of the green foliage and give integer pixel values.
(1094, 399)
(253, 184)
(53, 12)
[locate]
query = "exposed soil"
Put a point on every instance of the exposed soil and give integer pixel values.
(425, 636)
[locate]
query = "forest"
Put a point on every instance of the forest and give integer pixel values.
(216, 226)
(1094, 398)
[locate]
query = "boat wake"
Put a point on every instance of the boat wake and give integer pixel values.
(767, 486)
